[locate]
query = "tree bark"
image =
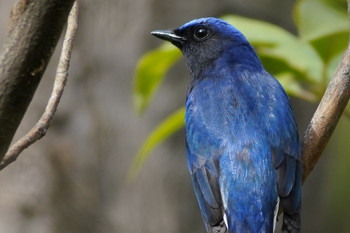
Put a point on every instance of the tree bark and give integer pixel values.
(327, 114)
(35, 27)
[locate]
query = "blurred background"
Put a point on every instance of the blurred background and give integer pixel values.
(74, 179)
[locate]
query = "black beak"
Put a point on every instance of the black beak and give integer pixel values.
(170, 36)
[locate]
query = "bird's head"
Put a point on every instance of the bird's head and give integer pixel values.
(204, 41)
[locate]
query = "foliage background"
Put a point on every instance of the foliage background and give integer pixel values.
(74, 179)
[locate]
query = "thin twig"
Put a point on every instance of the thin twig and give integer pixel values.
(327, 114)
(40, 128)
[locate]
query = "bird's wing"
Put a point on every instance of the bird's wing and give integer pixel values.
(286, 158)
(285, 152)
(288, 172)
(205, 178)
(289, 189)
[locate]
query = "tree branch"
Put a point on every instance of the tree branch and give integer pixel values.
(39, 130)
(327, 114)
(34, 29)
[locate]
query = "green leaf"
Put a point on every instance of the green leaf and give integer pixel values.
(294, 87)
(324, 24)
(166, 128)
(332, 66)
(331, 45)
(150, 71)
(280, 45)
(320, 18)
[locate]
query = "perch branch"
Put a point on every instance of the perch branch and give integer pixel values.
(34, 29)
(327, 114)
(39, 130)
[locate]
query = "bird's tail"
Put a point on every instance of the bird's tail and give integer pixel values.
(291, 223)
(220, 228)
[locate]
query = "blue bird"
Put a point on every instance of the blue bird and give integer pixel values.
(242, 143)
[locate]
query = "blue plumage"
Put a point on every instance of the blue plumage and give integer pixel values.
(242, 143)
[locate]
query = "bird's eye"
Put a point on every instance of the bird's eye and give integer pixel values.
(201, 33)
